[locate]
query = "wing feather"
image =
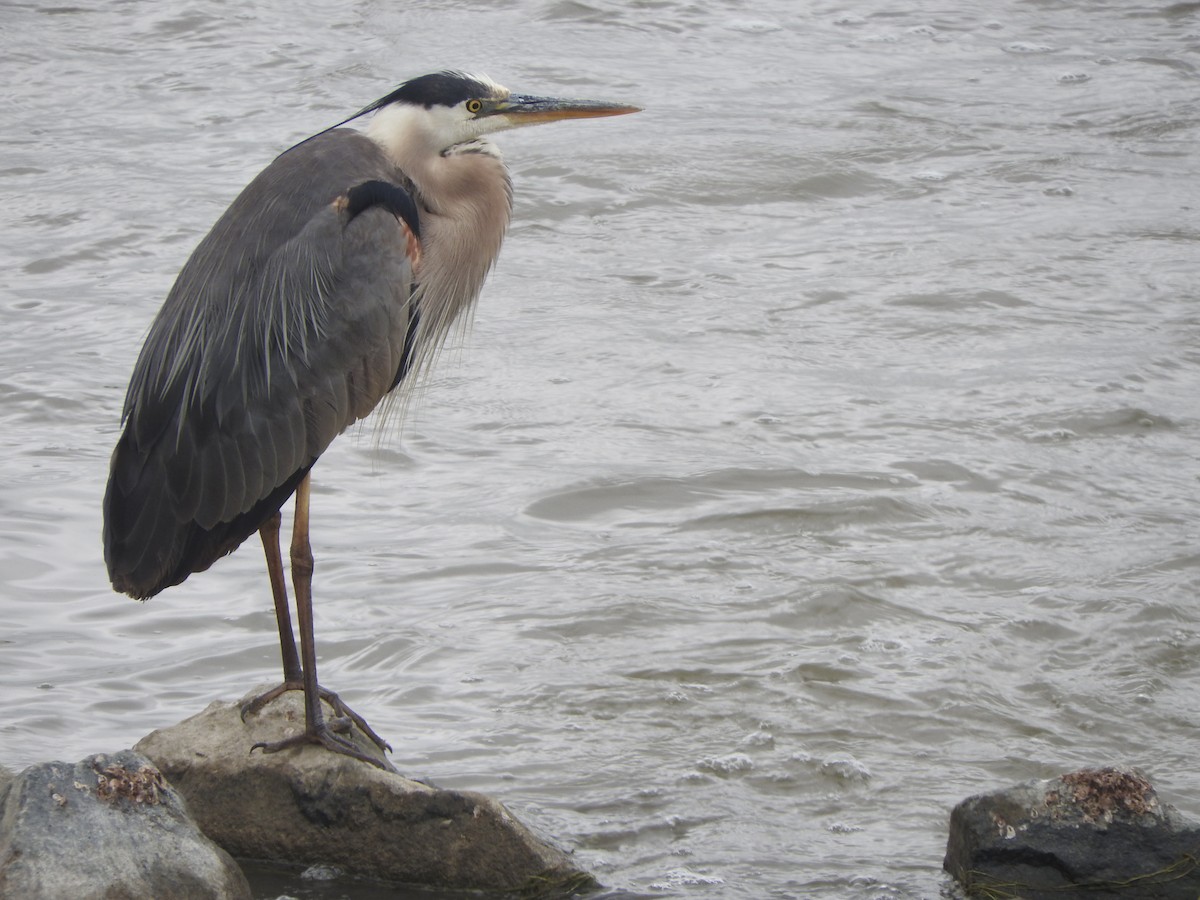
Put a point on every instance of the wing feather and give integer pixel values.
(286, 325)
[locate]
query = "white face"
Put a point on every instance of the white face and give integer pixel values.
(440, 128)
(466, 122)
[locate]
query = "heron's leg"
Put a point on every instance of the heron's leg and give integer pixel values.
(302, 571)
(292, 675)
(316, 730)
(287, 641)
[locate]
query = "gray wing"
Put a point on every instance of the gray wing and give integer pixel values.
(290, 321)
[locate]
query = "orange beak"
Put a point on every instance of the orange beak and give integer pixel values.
(523, 110)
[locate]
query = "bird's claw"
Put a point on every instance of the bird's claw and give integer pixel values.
(323, 735)
(345, 715)
(254, 704)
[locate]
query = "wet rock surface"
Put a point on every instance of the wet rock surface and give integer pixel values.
(109, 826)
(1099, 833)
(306, 806)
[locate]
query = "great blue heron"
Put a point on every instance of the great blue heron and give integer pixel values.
(334, 276)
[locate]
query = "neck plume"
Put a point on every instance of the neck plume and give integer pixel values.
(465, 198)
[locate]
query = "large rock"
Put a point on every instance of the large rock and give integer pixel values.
(106, 828)
(1096, 833)
(305, 806)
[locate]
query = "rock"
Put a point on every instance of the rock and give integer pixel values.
(306, 806)
(1099, 833)
(106, 828)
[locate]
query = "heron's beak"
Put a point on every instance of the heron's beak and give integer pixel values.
(521, 110)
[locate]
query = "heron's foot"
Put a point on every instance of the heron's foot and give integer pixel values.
(345, 712)
(345, 715)
(254, 704)
(323, 735)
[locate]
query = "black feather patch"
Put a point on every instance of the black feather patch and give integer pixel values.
(395, 200)
(438, 89)
(410, 342)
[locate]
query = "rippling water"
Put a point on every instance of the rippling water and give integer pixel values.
(824, 449)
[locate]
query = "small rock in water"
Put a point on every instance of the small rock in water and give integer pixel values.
(107, 826)
(321, 873)
(1098, 833)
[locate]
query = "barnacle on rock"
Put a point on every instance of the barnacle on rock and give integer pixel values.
(1102, 793)
(143, 786)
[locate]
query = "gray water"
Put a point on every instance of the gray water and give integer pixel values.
(823, 451)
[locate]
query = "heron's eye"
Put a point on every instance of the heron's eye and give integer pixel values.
(474, 106)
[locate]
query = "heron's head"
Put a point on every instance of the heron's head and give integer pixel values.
(451, 109)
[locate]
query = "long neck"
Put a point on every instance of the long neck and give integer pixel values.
(466, 199)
